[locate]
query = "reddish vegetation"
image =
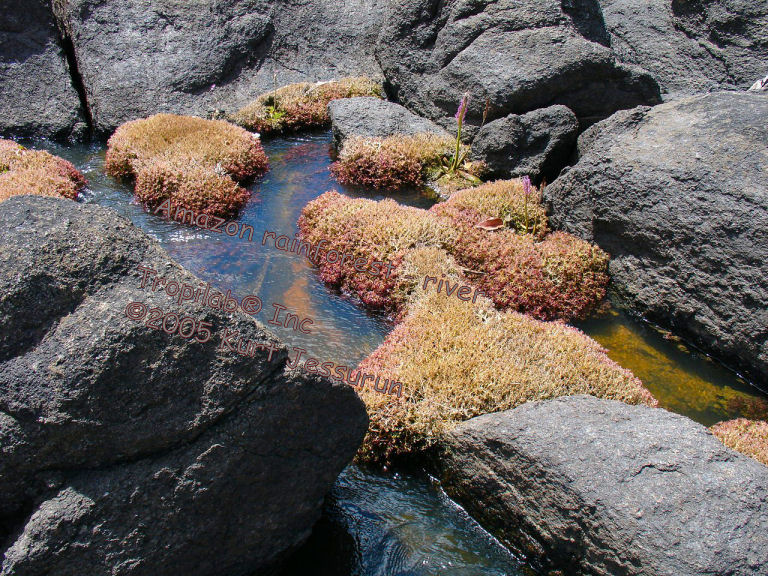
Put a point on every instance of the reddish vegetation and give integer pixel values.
(750, 437)
(458, 360)
(461, 358)
(559, 277)
(302, 105)
(192, 162)
(394, 162)
(382, 231)
(38, 172)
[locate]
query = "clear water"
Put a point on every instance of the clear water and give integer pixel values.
(682, 378)
(401, 524)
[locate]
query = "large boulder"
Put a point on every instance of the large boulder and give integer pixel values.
(37, 97)
(139, 58)
(128, 449)
(677, 195)
(691, 47)
(375, 118)
(537, 144)
(600, 487)
(515, 55)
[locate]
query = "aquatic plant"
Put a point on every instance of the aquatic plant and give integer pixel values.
(458, 360)
(519, 208)
(401, 161)
(24, 171)
(461, 112)
(560, 277)
(302, 105)
(393, 162)
(750, 437)
(383, 231)
(193, 162)
(549, 277)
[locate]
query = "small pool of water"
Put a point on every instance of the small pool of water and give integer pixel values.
(683, 379)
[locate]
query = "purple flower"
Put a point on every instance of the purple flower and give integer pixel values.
(462, 111)
(526, 186)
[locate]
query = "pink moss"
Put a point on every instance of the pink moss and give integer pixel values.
(750, 437)
(560, 277)
(194, 162)
(24, 171)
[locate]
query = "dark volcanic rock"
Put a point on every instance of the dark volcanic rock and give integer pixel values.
(517, 55)
(375, 118)
(677, 195)
(537, 144)
(140, 58)
(601, 487)
(691, 46)
(127, 447)
(36, 93)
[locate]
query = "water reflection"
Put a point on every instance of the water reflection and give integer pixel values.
(683, 379)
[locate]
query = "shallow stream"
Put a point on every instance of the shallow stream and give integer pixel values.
(400, 523)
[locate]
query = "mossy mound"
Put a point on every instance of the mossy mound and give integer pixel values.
(555, 276)
(403, 161)
(458, 360)
(300, 106)
(383, 231)
(501, 237)
(750, 437)
(24, 171)
(194, 163)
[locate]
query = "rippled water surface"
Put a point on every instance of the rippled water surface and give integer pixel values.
(399, 524)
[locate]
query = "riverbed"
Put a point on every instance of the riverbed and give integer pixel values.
(400, 523)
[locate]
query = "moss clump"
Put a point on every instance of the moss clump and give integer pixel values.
(549, 276)
(192, 162)
(458, 360)
(750, 437)
(383, 231)
(302, 105)
(393, 162)
(38, 172)
(556, 276)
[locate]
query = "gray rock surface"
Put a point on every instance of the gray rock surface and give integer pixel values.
(517, 55)
(601, 487)
(691, 47)
(537, 144)
(36, 93)
(140, 58)
(127, 449)
(375, 118)
(677, 195)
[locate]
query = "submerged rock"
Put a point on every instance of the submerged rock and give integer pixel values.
(537, 144)
(37, 97)
(369, 117)
(677, 195)
(600, 487)
(124, 446)
(691, 47)
(520, 56)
